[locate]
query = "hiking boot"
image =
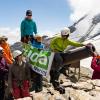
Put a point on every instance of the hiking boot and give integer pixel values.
(61, 89)
(54, 76)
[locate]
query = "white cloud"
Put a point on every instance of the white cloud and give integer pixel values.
(47, 33)
(12, 34)
(81, 7)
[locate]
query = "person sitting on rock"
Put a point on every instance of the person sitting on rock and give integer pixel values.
(19, 76)
(6, 48)
(58, 45)
(95, 65)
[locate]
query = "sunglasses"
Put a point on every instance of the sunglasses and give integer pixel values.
(29, 15)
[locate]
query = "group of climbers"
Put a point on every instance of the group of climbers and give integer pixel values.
(14, 72)
(14, 69)
(57, 45)
(17, 73)
(29, 35)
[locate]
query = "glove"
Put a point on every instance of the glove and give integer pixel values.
(91, 48)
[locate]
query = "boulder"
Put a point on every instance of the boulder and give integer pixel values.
(82, 86)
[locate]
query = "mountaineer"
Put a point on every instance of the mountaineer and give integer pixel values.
(28, 27)
(95, 65)
(6, 49)
(37, 42)
(19, 76)
(58, 45)
(3, 74)
(37, 78)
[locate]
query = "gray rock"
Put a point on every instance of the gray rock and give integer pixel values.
(82, 86)
(67, 84)
(94, 82)
(16, 46)
(97, 88)
(80, 95)
(46, 84)
(94, 93)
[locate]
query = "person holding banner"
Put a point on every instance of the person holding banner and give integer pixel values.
(28, 27)
(37, 42)
(37, 85)
(58, 45)
(19, 76)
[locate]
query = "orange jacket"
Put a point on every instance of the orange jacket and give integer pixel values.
(7, 53)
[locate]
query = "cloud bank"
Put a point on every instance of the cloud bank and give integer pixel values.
(80, 8)
(12, 34)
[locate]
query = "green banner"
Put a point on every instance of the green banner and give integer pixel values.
(40, 60)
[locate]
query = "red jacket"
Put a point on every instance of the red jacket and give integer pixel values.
(96, 68)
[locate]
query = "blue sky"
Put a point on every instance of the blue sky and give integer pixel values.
(50, 15)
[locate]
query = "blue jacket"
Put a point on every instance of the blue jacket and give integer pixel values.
(28, 27)
(37, 45)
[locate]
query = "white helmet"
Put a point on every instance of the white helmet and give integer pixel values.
(65, 31)
(16, 53)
